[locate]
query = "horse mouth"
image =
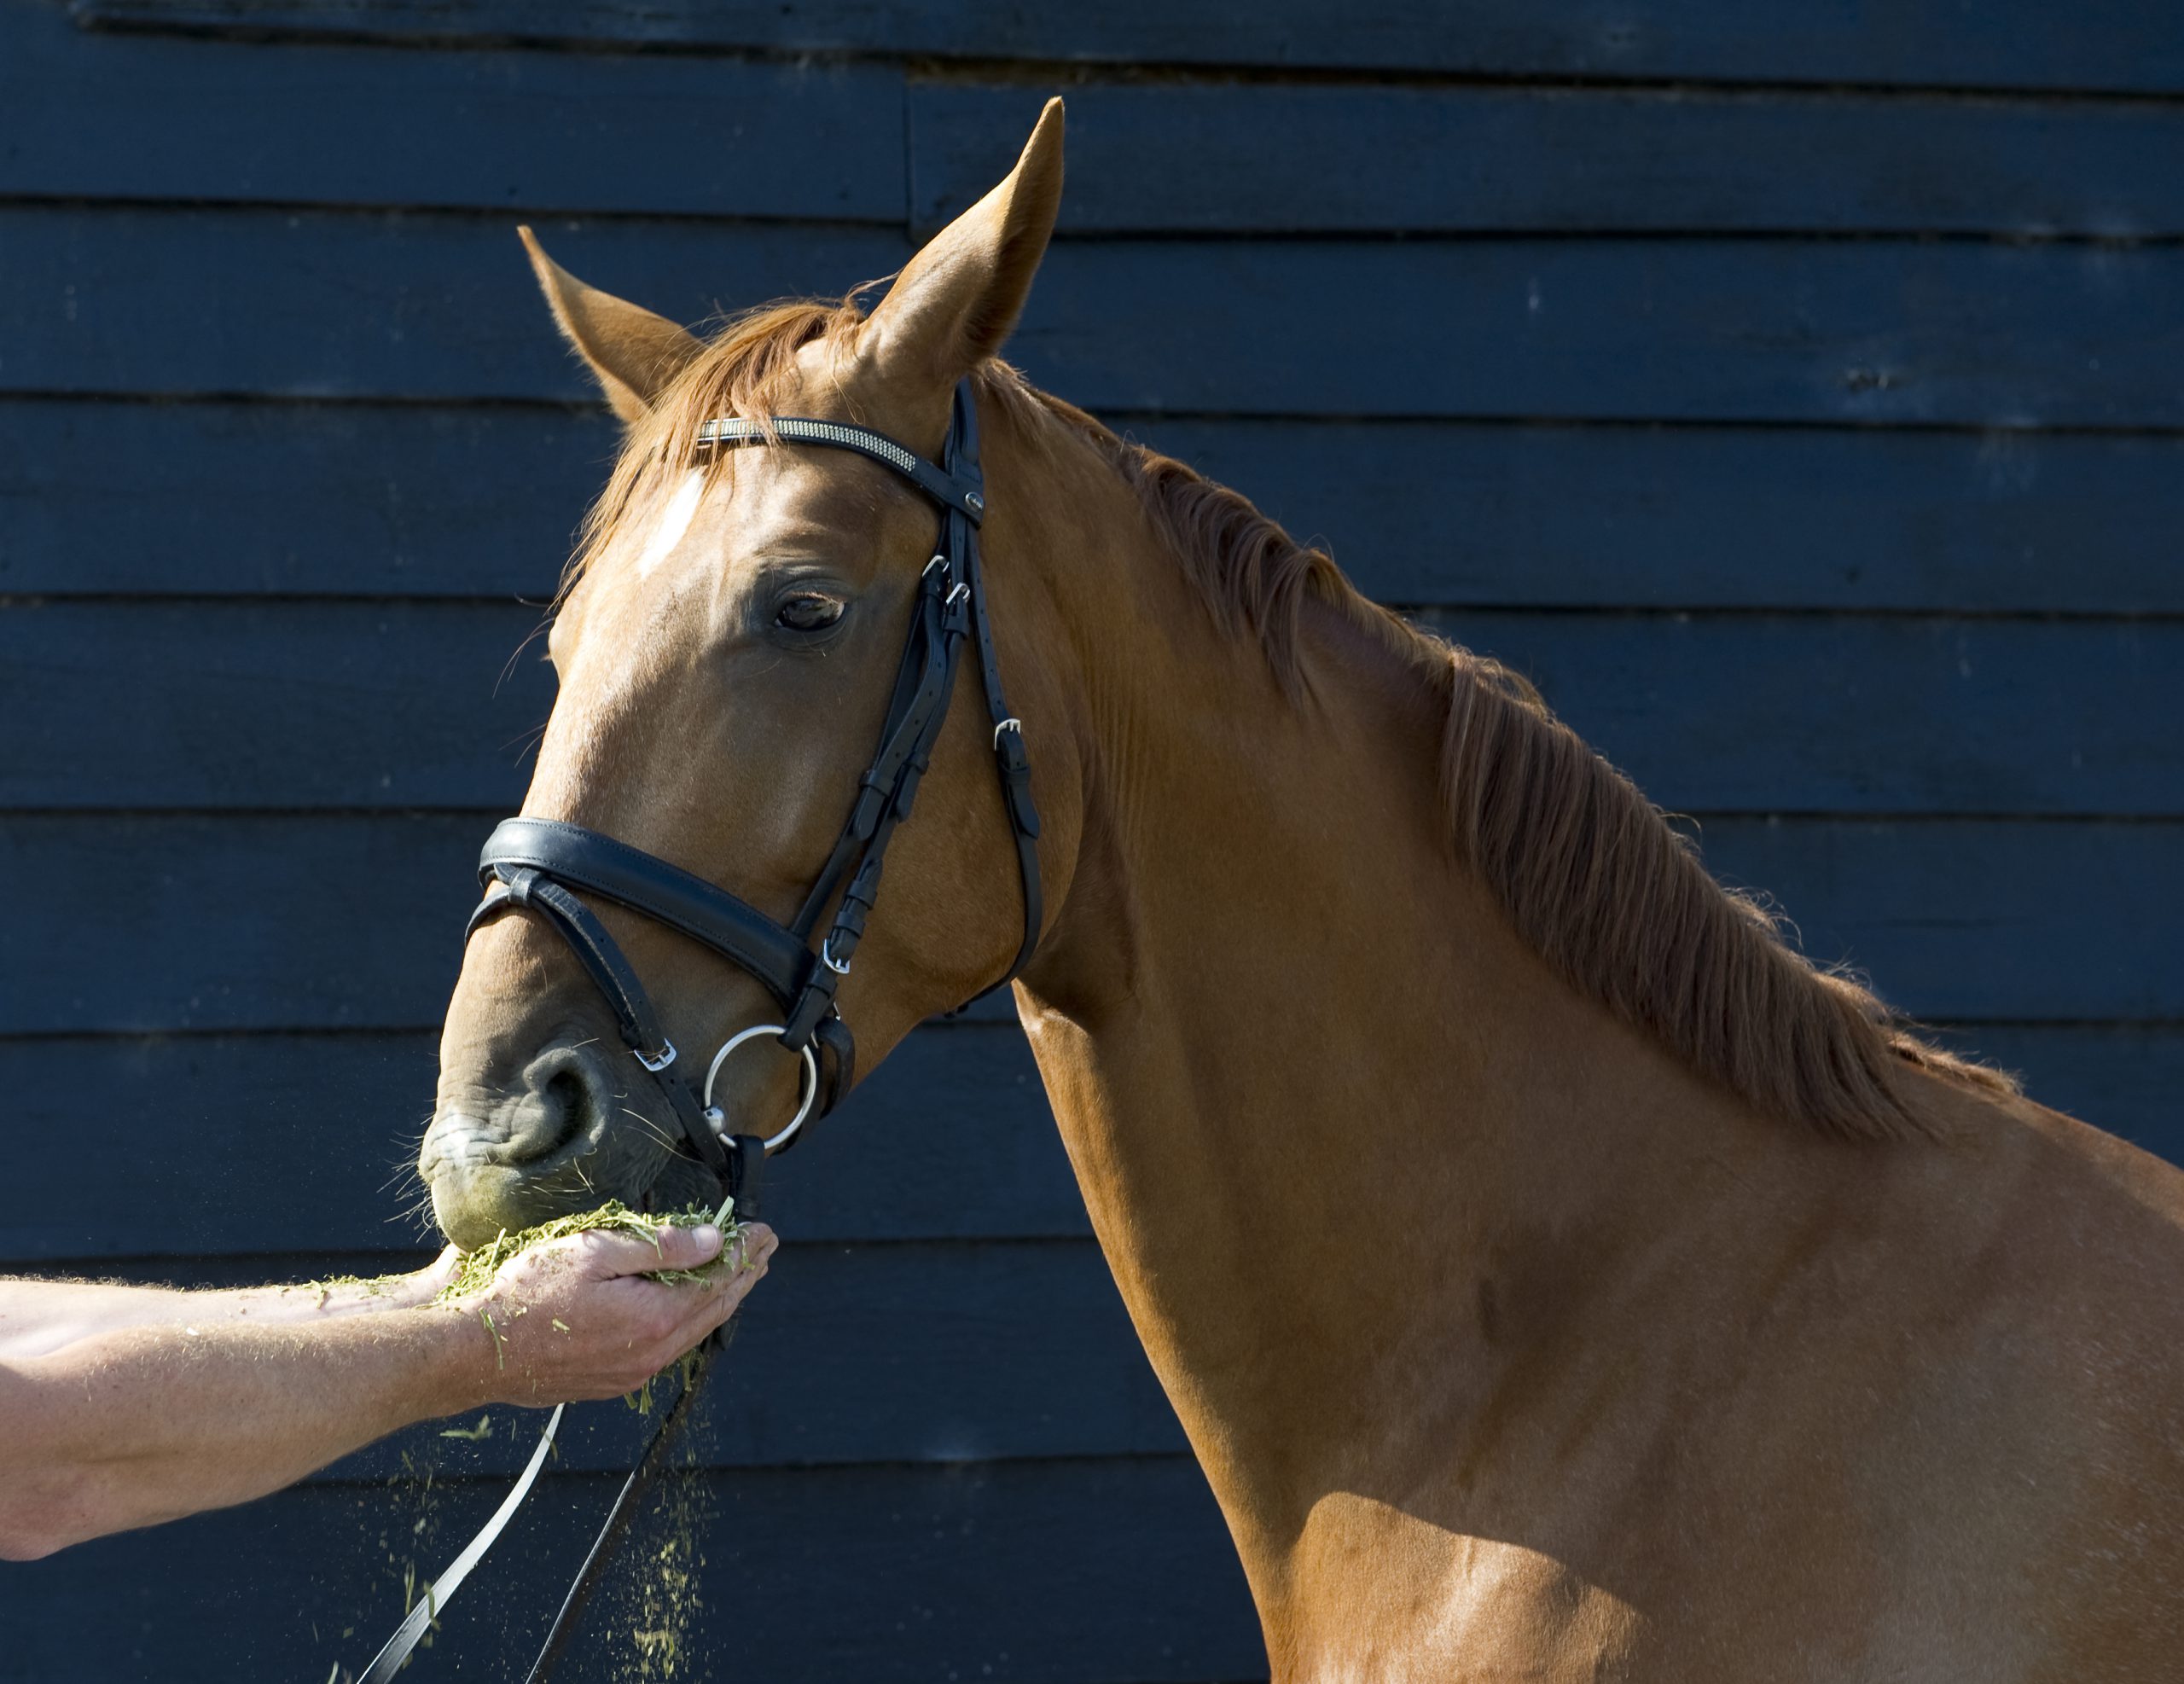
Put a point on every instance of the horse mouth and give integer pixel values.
(563, 1135)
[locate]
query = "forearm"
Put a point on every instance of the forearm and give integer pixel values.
(128, 1428)
(38, 1317)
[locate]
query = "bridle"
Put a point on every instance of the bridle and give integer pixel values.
(539, 865)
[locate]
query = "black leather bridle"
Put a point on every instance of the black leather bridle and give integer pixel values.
(538, 865)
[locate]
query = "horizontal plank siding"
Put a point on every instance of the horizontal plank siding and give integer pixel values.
(232, 706)
(505, 131)
(1794, 390)
(1751, 713)
(949, 1138)
(556, 132)
(166, 922)
(2009, 43)
(422, 306)
(314, 1134)
(881, 1574)
(321, 304)
(190, 704)
(1261, 158)
(1642, 516)
(360, 499)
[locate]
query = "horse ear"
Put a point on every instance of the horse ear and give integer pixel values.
(957, 301)
(633, 353)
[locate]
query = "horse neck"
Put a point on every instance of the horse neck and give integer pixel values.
(1333, 1122)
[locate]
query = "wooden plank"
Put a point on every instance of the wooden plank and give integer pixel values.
(1951, 919)
(330, 499)
(185, 705)
(1715, 517)
(165, 922)
(1012, 1569)
(191, 705)
(1749, 713)
(1690, 330)
(1264, 157)
(556, 131)
(949, 1138)
(292, 499)
(325, 304)
(498, 132)
(2115, 45)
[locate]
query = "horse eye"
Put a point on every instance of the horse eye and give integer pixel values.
(808, 611)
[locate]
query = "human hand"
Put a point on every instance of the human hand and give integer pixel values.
(576, 1318)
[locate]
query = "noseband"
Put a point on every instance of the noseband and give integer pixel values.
(538, 865)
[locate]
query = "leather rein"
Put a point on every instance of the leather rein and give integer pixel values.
(538, 866)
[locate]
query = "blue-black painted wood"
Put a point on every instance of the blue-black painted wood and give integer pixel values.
(949, 1138)
(2124, 45)
(165, 922)
(1606, 517)
(332, 499)
(1076, 1572)
(558, 131)
(138, 117)
(192, 705)
(1259, 157)
(205, 301)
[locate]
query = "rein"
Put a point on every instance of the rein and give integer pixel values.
(539, 865)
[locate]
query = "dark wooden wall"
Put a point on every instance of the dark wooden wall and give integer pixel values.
(1796, 390)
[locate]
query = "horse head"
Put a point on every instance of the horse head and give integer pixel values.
(727, 648)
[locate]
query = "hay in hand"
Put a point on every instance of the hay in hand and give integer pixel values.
(477, 1268)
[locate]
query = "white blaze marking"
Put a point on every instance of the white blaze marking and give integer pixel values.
(674, 522)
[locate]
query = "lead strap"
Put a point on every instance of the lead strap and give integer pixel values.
(441, 1591)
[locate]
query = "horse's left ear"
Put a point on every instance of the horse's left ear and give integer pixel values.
(957, 301)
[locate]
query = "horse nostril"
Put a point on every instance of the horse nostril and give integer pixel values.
(564, 1096)
(568, 1100)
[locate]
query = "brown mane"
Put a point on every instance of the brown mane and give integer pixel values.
(1589, 873)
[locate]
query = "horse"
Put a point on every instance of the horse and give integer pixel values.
(1557, 1275)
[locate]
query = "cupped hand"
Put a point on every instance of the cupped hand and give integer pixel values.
(576, 1318)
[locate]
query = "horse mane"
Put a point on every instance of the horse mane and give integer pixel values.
(1590, 873)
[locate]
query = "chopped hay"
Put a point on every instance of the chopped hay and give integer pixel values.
(479, 1268)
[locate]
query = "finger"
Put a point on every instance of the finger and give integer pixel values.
(754, 1243)
(606, 1255)
(688, 1247)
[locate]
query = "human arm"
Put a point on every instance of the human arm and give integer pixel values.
(142, 1424)
(38, 1317)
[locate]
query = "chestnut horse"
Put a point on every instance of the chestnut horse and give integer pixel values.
(1557, 1276)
